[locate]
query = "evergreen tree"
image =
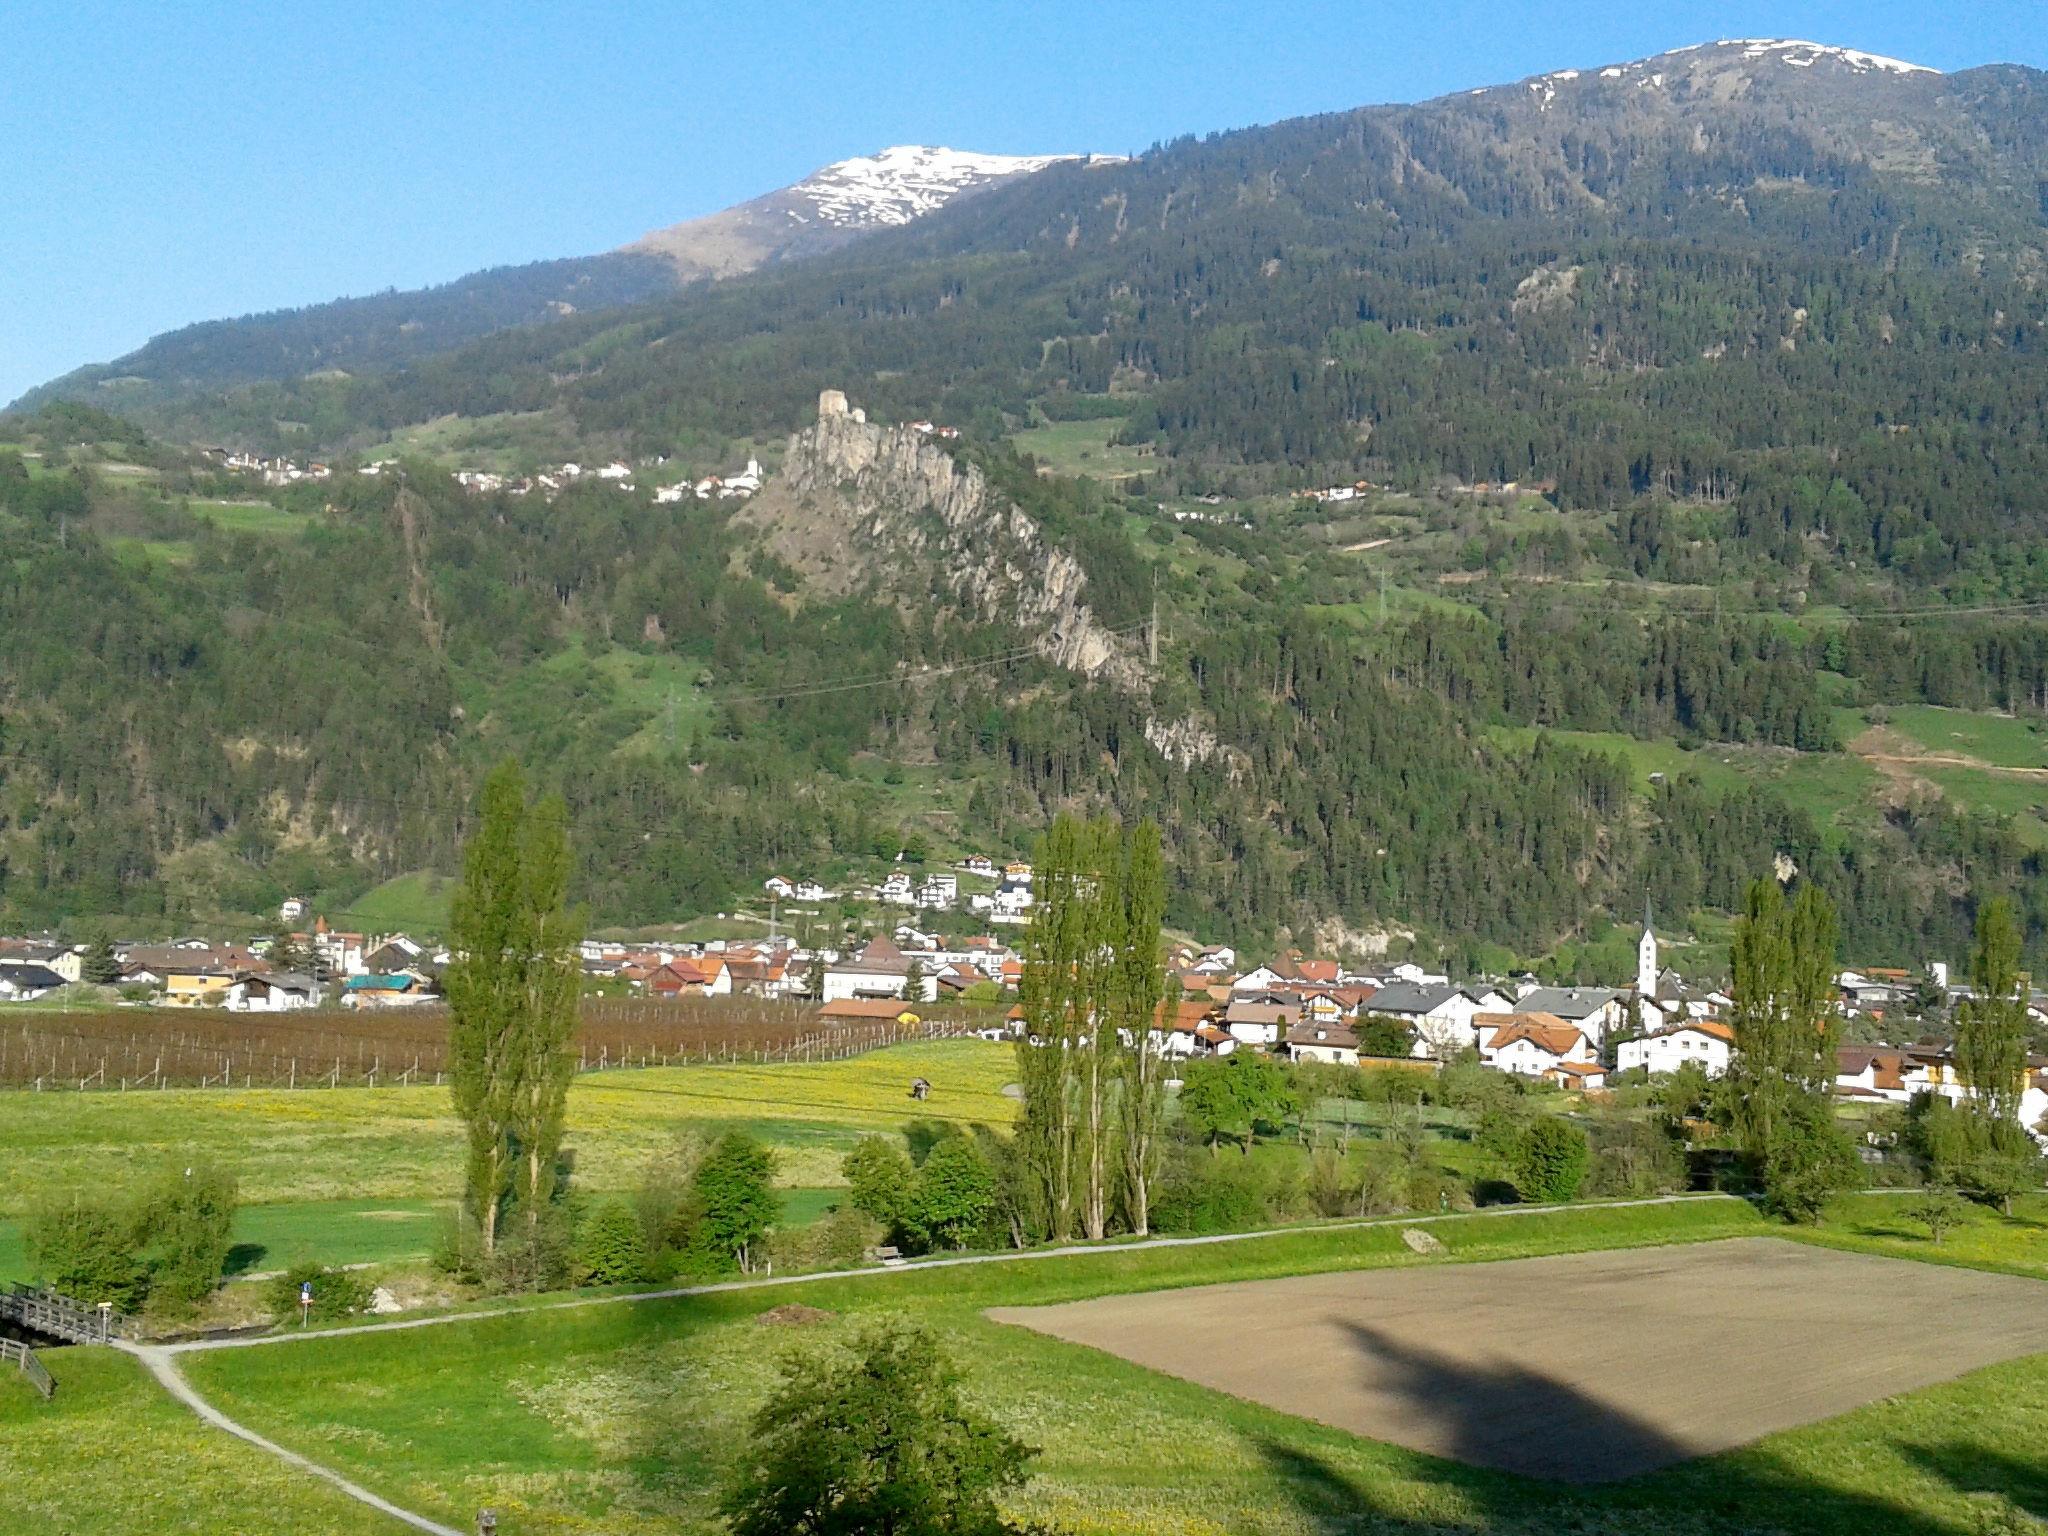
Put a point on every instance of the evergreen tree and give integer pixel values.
(913, 981)
(99, 965)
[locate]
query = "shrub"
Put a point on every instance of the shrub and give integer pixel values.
(163, 1245)
(840, 1240)
(1633, 1158)
(1810, 1160)
(874, 1439)
(878, 1179)
(86, 1249)
(952, 1197)
(609, 1247)
(1551, 1159)
(1203, 1195)
(337, 1293)
(1334, 1184)
(185, 1221)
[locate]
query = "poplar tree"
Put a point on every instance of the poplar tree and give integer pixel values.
(1784, 1016)
(512, 987)
(1991, 1028)
(1096, 893)
(1049, 996)
(1140, 991)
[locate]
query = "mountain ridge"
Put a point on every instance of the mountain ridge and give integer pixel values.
(827, 209)
(1741, 76)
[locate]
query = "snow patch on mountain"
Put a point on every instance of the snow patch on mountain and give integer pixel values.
(905, 182)
(1803, 55)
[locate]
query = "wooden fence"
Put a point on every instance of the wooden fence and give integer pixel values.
(38, 1374)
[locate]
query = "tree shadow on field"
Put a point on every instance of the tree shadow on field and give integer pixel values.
(243, 1259)
(1525, 1452)
(1977, 1470)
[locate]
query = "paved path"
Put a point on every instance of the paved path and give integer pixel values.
(161, 1359)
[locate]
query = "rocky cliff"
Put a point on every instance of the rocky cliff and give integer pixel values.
(864, 508)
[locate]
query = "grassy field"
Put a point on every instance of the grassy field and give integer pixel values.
(386, 1144)
(1083, 448)
(415, 903)
(256, 517)
(112, 1454)
(1825, 784)
(1986, 1238)
(2000, 740)
(622, 1418)
(279, 1236)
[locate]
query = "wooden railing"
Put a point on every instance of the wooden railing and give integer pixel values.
(59, 1317)
(34, 1369)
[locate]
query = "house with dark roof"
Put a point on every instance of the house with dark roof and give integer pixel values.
(23, 981)
(1325, 1041)
(1440, 1013)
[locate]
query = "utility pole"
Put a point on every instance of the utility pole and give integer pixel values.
(1152, 634)
(1383, 594)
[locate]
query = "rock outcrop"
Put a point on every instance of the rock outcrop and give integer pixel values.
(864, 508)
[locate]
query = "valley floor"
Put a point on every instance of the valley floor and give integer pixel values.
(623, 1417)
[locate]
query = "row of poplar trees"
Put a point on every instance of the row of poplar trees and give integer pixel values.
(1090, 1145)
(1787, 1025)
(512, 983)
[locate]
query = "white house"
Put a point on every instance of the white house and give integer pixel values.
(1600, 1011)
(811, 890)
(1259, 1024)
(938, 891)
(1698, 1042)
(897, 889)
(25, 981)
(1533, 1044)
(292, 909)
(779, 888)
(1441, 1015)
(1323, 1040)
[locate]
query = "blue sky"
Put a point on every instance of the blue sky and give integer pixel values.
(176, 161)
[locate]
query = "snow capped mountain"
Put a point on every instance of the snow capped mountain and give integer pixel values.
(831, 206)
(903, 182)
(1717, 58)
(1803, 55)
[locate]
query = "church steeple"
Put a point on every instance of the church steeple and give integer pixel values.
(1646, 955)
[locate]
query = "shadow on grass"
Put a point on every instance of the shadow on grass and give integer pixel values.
(2023, 1481)
(1526, 1452)
(242, 1259)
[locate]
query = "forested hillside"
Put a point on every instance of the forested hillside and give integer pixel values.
(1690, 420)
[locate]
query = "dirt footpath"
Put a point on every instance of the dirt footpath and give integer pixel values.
(1579, 1368)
